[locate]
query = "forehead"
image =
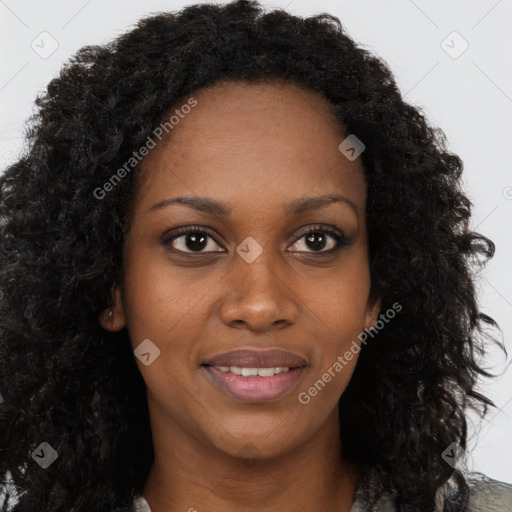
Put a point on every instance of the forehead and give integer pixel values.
(256, 140)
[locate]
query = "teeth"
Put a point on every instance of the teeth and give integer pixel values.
(253, 372)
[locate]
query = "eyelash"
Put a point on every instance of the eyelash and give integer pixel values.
(339, 237)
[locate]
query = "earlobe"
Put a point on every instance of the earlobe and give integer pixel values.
(112, 318)
(372, 313)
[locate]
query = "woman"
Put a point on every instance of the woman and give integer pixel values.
(236, 274)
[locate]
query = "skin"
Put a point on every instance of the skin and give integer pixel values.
(254, 148)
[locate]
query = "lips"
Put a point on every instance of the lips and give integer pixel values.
(263, 358)
(255, 376)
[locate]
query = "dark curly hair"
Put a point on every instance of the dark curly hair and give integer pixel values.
(66, 381)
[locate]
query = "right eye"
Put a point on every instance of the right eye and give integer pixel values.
(192, 239)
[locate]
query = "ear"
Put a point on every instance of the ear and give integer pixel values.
(112, 318)
(372, 310)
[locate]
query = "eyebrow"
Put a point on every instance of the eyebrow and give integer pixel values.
(296, 207)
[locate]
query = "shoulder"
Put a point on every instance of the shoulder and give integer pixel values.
(376, 492)
(488, 495)
(140, 505)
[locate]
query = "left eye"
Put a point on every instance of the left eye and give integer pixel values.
(319, 240)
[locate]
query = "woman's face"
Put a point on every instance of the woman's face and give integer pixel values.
(251, 160)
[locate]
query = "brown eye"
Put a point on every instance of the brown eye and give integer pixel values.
(320, 239)
(192, 240)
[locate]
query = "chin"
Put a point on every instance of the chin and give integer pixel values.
(260, 446)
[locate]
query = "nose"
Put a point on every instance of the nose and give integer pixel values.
(257, 297)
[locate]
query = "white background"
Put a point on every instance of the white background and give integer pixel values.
(469, 97)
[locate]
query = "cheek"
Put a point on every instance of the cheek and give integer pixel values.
(340, 305)
(161, 307)
(168, 305)
(160, 301)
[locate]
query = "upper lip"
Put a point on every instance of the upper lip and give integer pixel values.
(251, 358)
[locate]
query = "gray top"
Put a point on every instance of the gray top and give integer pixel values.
(486, 495)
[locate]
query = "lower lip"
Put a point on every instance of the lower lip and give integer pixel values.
(255, 389)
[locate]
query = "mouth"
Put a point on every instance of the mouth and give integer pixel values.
(255, 376)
